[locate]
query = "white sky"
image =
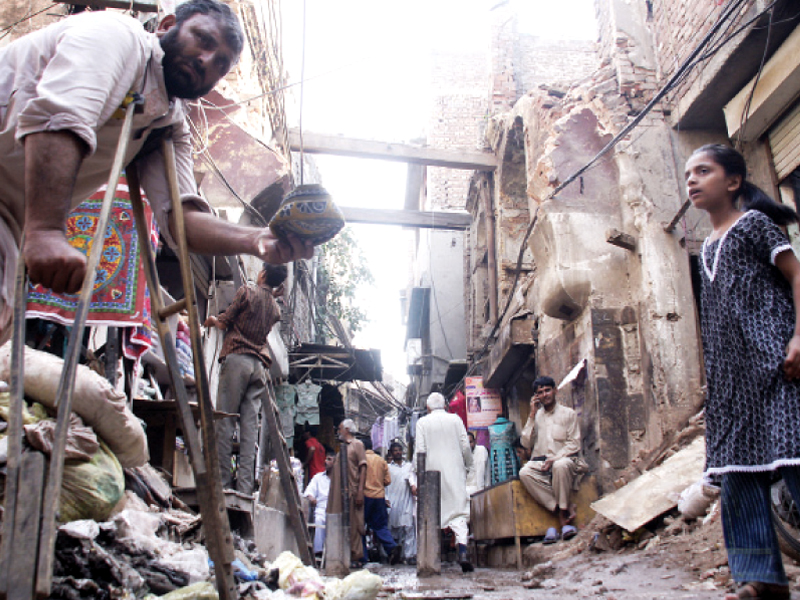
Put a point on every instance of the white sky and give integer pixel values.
(366, 71)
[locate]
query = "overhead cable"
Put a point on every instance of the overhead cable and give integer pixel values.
(673, 81)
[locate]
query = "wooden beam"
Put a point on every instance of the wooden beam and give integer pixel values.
(408, 218)
(414, 182)
(138, 5)
(315, 143)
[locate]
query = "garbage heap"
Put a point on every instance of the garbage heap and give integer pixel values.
(123, 534)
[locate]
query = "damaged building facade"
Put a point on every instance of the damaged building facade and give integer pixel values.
(606, 295)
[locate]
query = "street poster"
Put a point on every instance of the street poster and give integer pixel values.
(483, 405)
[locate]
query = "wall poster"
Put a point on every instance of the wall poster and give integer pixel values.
(483, 405)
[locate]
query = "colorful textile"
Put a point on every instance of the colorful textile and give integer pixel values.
(503, 459)
(121, 297)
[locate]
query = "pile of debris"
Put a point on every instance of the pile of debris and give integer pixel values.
(123, 534)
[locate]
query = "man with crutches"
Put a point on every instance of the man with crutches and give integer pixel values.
(78, 101)
(61, 90)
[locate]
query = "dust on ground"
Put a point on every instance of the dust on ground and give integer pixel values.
(677, 559)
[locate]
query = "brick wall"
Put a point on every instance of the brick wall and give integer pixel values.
(675, 28)
(457, 120)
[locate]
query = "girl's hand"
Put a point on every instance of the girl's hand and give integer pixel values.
(791, 366)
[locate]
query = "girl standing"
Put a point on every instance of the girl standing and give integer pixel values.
(750, 319)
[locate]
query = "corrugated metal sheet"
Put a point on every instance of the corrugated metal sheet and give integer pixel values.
(784, 140)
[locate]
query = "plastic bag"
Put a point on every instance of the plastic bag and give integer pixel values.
(5, 404)
(101, 406)
(361, 585)
(198, 591)
(297, 578)
(696, 499)
(90, 490)
(81, 445)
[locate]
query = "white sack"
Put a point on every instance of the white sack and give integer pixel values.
(101, 406)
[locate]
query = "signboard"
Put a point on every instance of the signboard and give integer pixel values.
(483, 405)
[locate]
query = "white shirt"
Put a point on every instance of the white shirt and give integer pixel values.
(318, 488)
(443, 438)
(477, 479)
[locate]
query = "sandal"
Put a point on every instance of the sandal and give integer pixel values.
(568, 532)
(551, 537)
(758, 590)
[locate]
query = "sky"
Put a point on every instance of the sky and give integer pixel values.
(365, 66)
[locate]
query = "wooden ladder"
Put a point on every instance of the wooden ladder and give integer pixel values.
(305, 544)
(31, 506)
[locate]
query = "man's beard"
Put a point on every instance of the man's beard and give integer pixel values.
(178, 84)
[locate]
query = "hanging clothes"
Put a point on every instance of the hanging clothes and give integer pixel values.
(376, 433)
(503, 460)
(285, 399)
(307, 404)
(391, 430)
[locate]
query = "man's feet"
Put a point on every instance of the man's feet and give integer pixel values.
(757, 590)
(396, 555)
(568, 532)
(551, 537)
(571, 513)
(463, 559)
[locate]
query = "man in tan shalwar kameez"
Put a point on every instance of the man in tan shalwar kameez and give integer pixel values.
(554, 435)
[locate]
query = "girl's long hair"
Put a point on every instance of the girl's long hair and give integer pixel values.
(753, 197)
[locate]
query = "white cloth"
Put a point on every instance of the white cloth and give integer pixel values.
(318, 488)
(391, 430)
(443, 438)
(478, 478)
(398, 493)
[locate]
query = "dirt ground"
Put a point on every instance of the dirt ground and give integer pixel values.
(677, 560)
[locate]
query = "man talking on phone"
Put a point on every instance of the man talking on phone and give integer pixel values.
(553, 434)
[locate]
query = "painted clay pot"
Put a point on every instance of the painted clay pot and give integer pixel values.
(309, 213)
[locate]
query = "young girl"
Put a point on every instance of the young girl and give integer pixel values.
(751, 341)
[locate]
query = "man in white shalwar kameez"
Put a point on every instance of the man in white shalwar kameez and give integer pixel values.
(402, 503)
(443, 439)
(477, 479)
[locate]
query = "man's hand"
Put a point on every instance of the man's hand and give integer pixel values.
(213, 321)
(535, 405)
(311, 500)
(359, 500)
(547, 464)
(388, 504)
(210, 235)
(414, 491)
(52, 262)
(277, 251)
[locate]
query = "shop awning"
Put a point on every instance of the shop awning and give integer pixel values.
(334, 363)
(512, 350)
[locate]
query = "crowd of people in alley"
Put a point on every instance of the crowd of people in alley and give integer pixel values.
(383, 482)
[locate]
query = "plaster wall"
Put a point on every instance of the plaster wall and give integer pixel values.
(629, 313)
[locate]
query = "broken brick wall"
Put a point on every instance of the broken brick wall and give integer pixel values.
(629, 312)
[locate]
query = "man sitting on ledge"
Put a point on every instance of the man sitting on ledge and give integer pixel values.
(553, 434)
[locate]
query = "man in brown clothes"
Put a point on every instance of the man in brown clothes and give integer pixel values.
(245, 367)
(356, 480)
